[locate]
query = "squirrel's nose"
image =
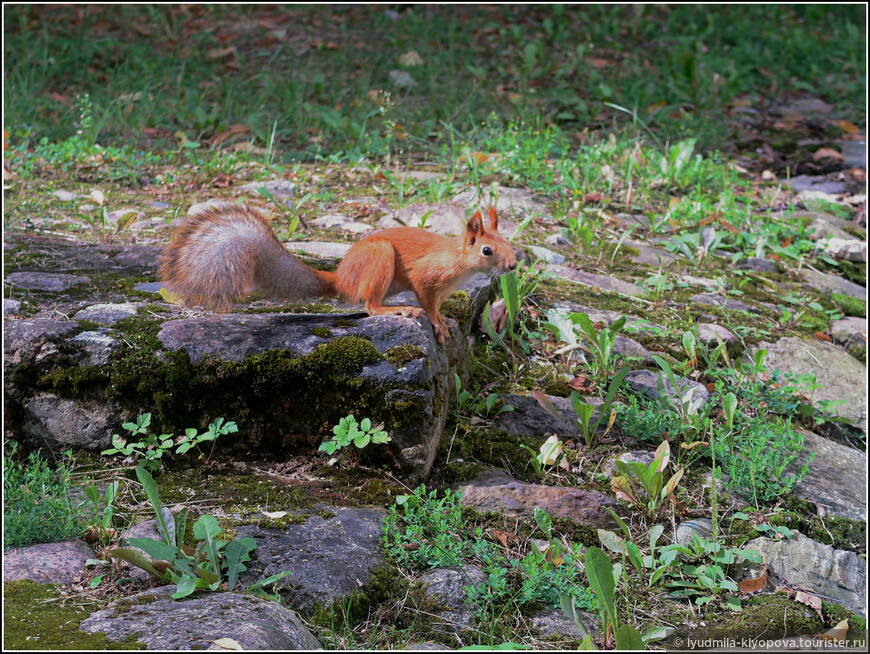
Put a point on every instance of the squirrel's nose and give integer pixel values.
(512, 266)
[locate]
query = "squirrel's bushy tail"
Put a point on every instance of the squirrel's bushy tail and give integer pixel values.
(227, 250)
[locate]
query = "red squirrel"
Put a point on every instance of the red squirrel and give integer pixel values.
(227, 250)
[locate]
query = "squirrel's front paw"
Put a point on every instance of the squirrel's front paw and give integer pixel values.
(441, 332)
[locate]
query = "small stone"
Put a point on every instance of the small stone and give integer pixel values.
(149, 287)
(159, 206)
(557, 240)
(687, 529)
(712, 299)
(11, 307)
(42, 281)
(47, 563)
(690, 280)
(757, 264)
(321, 248)
(107, 314)
(854, 153)
(97, 345)
(602, 282)
(845, 249)
(331, 220)
(402, 79)
(125, 213)
(279, 188)
(65, 196)
(817, 184)
(849, 332)
(711, 334)
(828, 284)
(547, 255)
(445, 586)
(646, 382)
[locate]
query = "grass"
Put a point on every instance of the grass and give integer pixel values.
(313, 80)
(37, 507)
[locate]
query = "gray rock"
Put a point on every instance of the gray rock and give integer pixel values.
(854, 153)
(167, 624)
(583, 507)
(609, 317)
(445, 586)
(841, 376)
(827, 284)
(550, 623)
(97, 345)
(320, 248)
(547, 255)
(529, 419)
(631, 349)
(711, 299)
(157, 205)
(445, 219)
(711, 334)
(602, 282)
(686, 530)
(556, 240)
(514, 202)
(836, 575)
(107, 314)
(64, 424)
(691, 280)
(646, 382)
(849, 249)
(836, 478)
(327, 557)
(47, 563)
(279, 188)
(42, 281)
(823, 225)
(757, 264)
(849, 332)
(402, 79)
(33, 341)
(11, 307)
(425, 646)
(649, 255)
(65, 196)
(149, 287)
(802, 108)
(331, 220)
(816, 183)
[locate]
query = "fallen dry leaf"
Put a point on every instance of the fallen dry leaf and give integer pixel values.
(808, 599)
(827, 153)
(847, 127)
(228, 643)
(822, 336)
(220, 53)
(411, 58)
(838, 632)
(754, 585)
(502, 537)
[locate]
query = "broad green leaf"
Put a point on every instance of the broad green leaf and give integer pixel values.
(629, 638)
(135, 557)
(237, 553)
(207, 529)
(152, 493)
(543, 520)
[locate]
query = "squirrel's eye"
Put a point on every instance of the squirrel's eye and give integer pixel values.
(487, 251)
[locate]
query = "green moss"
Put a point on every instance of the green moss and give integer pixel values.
(293, 308)
(401, 355)
(459, 307)
(386, 586)
(322, 332)
(851, 306)
(840, 533)
(87, 325)
(34, 619)
(342, 322)
(233, 491)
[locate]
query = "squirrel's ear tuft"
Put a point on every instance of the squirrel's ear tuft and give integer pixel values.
(474, 228)
(493, 218)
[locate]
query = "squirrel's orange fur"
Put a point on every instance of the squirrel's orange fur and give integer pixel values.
(227, 250)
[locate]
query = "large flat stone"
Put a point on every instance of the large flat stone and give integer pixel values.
(837, 478)
(840, 375)
(828, 284)
(329, 558)
(163, 623)
(602, 282)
